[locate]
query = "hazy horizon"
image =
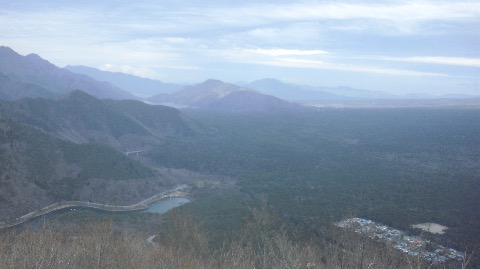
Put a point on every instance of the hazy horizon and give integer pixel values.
(399, 47)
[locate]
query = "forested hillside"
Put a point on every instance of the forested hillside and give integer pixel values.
(38, 169)
(76, 148)
(395, 166)
(78, 117)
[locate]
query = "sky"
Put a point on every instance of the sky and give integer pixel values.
(400, 47)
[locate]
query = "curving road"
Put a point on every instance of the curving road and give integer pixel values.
(176, 192)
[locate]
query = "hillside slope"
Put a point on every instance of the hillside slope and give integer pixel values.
(37, 169)
(13, 90)
(72, 148)
(80, 118)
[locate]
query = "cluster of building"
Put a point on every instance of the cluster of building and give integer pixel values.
(412, 245)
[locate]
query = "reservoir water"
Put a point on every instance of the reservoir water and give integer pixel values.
(164, 205)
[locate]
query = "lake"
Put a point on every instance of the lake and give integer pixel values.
(164, 205)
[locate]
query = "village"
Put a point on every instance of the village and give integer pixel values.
(412, 245)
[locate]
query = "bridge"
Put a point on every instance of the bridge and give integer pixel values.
(133, 152)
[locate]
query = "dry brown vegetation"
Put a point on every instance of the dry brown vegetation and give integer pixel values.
(183, 245)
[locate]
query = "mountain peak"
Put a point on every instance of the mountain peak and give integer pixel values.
(212, 83)
(270, 80)
(216, 87)
(10, 56)
(7, 55)
(79, 96)
(4, 49)
(36, 70)
(34, 56)
(37, 60)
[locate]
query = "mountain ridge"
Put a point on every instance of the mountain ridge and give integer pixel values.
(36, 70)
(82, 118)
(303, 93)
(217, 95)
(138, 86)
(13, 90)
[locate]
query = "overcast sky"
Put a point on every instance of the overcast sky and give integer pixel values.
(394, 46)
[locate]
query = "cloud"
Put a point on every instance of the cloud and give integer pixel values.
(471, 62)
(402, 15)
(274, 23)
(154, 18)
(185, 39)
(127, 69)
(314, 59)
(286, 52)
(303, 63)
(177, 40)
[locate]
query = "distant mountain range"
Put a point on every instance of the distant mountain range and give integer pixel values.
(36, 77)
(218, 95)
(32, 76)
(302, 93)
(138, 86)
(186, 96)
(350, 97)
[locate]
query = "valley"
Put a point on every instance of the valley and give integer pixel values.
(258, 167)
